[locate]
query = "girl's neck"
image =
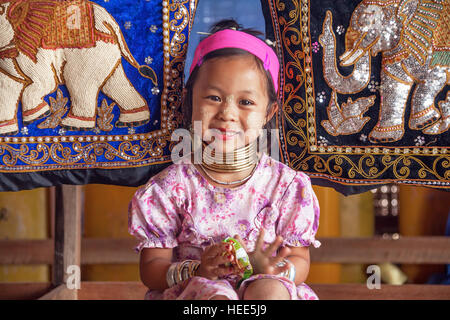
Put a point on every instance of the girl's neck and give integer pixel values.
(240, 159)
(226, 179)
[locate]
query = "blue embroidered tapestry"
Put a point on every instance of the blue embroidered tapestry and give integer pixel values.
(365, 90)
(90, 91)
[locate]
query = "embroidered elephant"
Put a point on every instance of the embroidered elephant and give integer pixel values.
(76, 43)
(413, 37)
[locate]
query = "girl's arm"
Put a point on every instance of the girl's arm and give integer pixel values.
(153, 266)
(299, 256)
(155, 262)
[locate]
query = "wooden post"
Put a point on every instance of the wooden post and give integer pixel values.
(68, 212)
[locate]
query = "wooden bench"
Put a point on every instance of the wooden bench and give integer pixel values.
(338, 250)
(68, 248)
(93, 290)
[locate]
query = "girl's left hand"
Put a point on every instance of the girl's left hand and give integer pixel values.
(263, 260)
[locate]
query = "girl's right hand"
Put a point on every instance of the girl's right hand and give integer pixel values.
(215, 262)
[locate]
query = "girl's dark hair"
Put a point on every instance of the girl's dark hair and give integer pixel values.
(226, 52)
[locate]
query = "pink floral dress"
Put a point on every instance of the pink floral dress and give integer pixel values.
(178, 208)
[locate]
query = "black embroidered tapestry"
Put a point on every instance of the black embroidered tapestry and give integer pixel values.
(365, 90)
(90, 91)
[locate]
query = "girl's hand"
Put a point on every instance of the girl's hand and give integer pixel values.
(215, 262)
(263, 260)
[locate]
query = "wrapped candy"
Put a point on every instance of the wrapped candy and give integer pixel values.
(241, 257)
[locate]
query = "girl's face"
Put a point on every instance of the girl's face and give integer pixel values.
(230, 99)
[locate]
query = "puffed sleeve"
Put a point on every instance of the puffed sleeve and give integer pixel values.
(299, 213)
(153, 216)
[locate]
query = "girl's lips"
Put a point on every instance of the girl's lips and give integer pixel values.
(224, 130)
(227, 135)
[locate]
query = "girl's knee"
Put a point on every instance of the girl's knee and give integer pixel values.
(266, 289)
(220, 297)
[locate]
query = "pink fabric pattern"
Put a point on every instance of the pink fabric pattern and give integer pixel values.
(178, 208)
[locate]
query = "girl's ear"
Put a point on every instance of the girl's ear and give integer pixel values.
(273, 109)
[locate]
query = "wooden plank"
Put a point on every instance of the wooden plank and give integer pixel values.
(109, 251)
(26, 251)
(415, 250)
(93, 290)
(23, 290)
(386, 292)
(93, 251)
(135, 290)
(61, 292)
(67, 251)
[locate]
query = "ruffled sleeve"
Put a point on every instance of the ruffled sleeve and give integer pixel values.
(299, 213)
(153, 215)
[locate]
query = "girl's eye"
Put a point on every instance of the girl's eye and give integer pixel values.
(246, 102)
(214, 98)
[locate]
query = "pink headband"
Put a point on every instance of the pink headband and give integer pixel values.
(237, 39)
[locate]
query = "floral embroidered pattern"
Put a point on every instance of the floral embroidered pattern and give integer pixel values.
(58, 109)
(176, 209)
(358, 91)
(105, 116)
(63, 130)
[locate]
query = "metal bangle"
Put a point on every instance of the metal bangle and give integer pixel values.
(170, 275)
(181, 271)
(178, 275)
(290, 273)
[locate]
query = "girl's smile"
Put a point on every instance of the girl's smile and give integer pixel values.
(226, 134)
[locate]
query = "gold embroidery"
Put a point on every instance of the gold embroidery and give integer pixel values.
(360, 76)
(363, 162)
(105, 116)
(58, 109)
(347, 119)
(28, 153)
(64, 32)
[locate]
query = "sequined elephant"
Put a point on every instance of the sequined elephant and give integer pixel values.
(76, 43)
(413, 37)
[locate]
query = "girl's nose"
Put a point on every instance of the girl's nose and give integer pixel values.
(228, 110)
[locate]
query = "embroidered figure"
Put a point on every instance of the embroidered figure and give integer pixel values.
(105, 116)
(76, 43)
(444, 123)
(413, 37)
(347, 119)
(58, 109)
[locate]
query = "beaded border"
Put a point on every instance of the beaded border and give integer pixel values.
(313, 144)
(172, 12)
(314, 149)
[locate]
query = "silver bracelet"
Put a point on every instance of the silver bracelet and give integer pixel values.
(181, 271)
(170, 275)
(290, 273)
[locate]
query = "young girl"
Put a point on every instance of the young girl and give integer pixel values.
(183, 214)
